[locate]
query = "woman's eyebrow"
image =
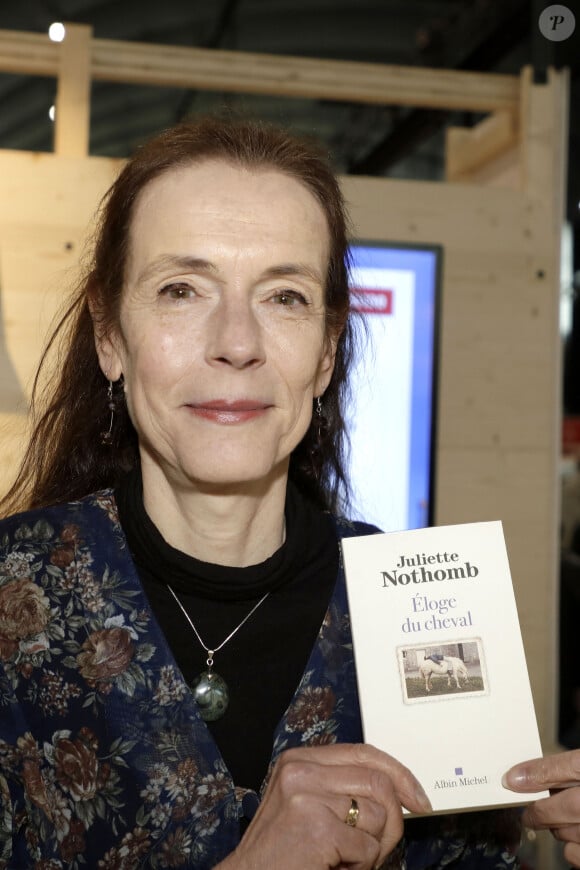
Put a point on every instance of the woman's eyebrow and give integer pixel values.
(180, 264)
(170, 262)
(287, 270)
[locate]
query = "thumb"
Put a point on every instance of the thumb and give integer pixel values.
(553, 771)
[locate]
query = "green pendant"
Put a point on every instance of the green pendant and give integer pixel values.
(212, 695)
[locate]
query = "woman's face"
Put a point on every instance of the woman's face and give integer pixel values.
(222, 340)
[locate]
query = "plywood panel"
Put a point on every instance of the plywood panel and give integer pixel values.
(47, 205)
(13, 432)
(474, 218)
(30, 304)
(46, 209)
(57, 191)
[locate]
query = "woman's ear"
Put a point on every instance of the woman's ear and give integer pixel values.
(106, 344)
(326, 365)
(109, 359)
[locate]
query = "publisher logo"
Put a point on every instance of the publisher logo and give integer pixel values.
(557, 23)
(459, 781)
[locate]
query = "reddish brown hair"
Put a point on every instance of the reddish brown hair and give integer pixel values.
(65, 458)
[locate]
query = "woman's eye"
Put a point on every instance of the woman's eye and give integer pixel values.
(290, 298)
(177, 291)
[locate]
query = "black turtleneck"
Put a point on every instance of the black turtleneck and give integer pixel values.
(264, 661)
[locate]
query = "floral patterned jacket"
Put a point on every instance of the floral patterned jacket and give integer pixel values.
(105, 761)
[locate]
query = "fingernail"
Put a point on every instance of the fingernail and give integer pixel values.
(423, 800)
(514, 779)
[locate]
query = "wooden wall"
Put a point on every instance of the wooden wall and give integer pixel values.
(46, 208)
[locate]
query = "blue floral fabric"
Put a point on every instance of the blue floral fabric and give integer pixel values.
(105, 761)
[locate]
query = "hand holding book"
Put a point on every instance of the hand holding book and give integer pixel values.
(561, 811)
(330, 806)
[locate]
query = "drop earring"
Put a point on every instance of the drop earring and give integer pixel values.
(107, 435)
(320, 423)
(318, 439)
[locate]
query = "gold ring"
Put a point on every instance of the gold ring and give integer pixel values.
(353, 813)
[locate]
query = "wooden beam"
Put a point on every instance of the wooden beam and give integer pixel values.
(279, 75)
(208, 69)
(72, 119)
(31, 54)
(467, 150)
(544, 123)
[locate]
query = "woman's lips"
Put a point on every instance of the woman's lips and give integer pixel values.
(224, 412)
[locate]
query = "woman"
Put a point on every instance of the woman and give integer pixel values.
(177, 574)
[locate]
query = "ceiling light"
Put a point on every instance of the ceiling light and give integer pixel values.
(57, 31)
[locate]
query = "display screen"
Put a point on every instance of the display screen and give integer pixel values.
(391, 415)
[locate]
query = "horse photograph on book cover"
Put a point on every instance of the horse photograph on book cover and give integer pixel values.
(450, 669)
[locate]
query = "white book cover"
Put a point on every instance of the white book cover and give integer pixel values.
(441, 670)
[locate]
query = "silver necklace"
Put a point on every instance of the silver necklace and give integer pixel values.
(209, 689)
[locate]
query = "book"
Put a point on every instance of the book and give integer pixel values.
(441, 670)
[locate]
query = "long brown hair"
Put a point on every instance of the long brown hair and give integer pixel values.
(66, 458)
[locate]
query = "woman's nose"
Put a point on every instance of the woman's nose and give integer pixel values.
(235, 334)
